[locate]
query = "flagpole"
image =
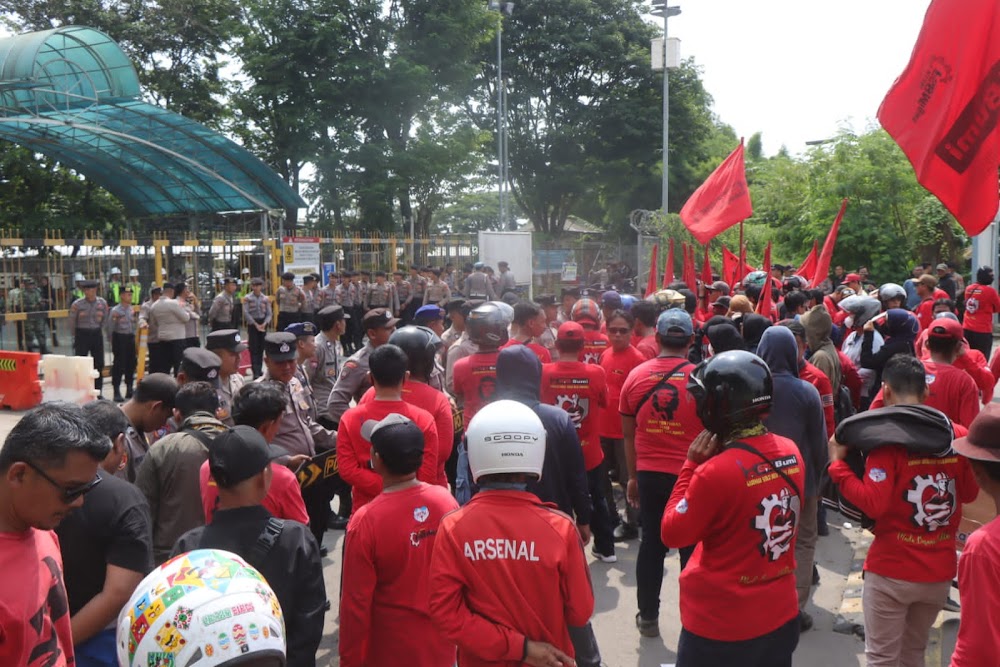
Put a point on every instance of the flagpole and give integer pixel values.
(742, 274)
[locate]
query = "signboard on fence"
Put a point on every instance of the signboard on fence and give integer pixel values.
(300, 255)
(569, 272)
(512, 247)
(328, 269)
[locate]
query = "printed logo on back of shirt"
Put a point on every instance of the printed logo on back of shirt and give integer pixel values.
(420, 514)
(933, 500)
(776, 522)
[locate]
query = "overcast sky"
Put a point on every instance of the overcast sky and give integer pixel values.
(797, 70)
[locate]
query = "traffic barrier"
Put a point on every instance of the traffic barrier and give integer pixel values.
(68, 379)
(20, 388)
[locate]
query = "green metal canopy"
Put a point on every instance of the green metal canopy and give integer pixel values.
(72, 93)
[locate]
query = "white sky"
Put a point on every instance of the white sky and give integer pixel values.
(797, 70)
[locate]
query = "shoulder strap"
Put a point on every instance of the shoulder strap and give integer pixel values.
(266, 540)
(200, 436)
(659, 385)
(753, 450)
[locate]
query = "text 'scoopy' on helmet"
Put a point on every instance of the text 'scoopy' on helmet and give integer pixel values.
(505, 437)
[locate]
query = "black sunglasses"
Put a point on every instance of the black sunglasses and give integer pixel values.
(69, 496)
(617, 330)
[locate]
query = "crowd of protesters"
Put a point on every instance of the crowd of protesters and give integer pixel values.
(428, 413)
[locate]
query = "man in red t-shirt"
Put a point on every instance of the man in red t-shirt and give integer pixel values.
(586, 314)
(475, 376)
(617, 362)
(581, 391)
(530, 320)
(644, 331)
(659, 421)
(385, 598)
(508, 575)
(926, 287)
(981, 304)
(916, 502)
(49, 461)
(387, 366)
(739, 497)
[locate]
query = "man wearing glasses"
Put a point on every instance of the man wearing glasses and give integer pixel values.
(47, 464)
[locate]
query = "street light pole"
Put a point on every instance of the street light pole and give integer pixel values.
(660, 8)
(503, 9)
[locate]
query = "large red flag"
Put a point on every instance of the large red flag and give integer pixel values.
(721, 201)
(826, 255)
(651, 282)
(764, 303)
(689, 276)
(668, 269)
(808, 266)
(730, 266)
(943, 111)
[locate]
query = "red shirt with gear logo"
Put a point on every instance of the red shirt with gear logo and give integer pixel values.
(581, 390)
(475, 381)
(543, 355)
(666, 422)
(916, 501)
(617, 366)
(594, 344)
(743, 517)
(354, 448)
(981, 303)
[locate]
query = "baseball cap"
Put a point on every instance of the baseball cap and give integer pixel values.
(570, 331)
(983, 441)
(719, 286)
(674, 323)
(429, 312)
(300, 329)
(394, 438)
(722, 303)
(851, 278)
(941, 267)
(845, 291)
(280, 346)
(611, 298)
(944, 327)
(202, 365)
(378, 318)
(239, 453)
(545, 300)
(225, 339)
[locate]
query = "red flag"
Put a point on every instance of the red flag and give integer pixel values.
(822, 271)
(808, 266)
(668, 269)
(721, 201)
(651, 283)
(764, 303)
(689, 276)
(706, 276)
(942, 110)
(730, 266)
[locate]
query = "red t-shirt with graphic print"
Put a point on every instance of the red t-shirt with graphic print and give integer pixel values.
(581, 390)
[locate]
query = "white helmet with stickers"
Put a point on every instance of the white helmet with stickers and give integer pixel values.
(506, 437)
(207, 608)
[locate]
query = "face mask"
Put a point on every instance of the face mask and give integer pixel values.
(849, 322)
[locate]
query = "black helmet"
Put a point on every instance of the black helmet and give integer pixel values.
(487, 326)
(420, 345)
(730, 389)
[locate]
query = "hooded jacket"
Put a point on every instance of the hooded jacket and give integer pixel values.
(564, 479)
(901, 329)
(818, 325)
(796, 411)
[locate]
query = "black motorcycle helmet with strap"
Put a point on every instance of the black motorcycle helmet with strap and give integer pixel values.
(731, 390)
(420, 345)
(487, 326)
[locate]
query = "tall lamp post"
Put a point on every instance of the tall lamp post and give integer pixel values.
(660, 8)
(503, 9)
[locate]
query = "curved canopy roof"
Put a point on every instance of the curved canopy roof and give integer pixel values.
(72, 93)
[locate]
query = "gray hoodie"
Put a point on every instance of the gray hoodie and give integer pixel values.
(818, 325)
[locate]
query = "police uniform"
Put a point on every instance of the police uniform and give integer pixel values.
(437, 292)
(298, 433)
(325, 297)
(478, 287)
(86, 320)
(122, 325)
(227, 339)
(382, 296)
(220, 315)
(418, 284)
(309, 304)
(351, 384)
(34, 327)
(256, 310)
(347, 297)
(460, 349)
(506, 283)
(301, 330)
(136, 448)
(153, 349)
(290, 302)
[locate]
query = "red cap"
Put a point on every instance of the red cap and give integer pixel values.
(570, 331)
(851, 278)
(945, 327)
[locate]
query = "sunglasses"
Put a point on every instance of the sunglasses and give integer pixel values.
(618, 330)
(69, 495)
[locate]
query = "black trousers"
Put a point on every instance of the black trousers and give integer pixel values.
(256, 346)
(284, 319)
(980, 341)
(216, 325)
(90, 342)
(654, 492)
(358, 339)
(154, 354)
(173, 353)
(124, 362)
(601, 526)
(771, 650)
(346, 502)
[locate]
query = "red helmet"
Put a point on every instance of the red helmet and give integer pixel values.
(586, 309)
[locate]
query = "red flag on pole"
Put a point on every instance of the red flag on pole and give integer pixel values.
(706, 277)
(826, 255)
(764, 303)
(668, 268)
(730, 266)
(943, 113)
(721, 201)
(808, 266)
(689, 276)
(651, 282)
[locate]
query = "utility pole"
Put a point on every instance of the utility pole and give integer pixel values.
(503, 9)
(660, 8)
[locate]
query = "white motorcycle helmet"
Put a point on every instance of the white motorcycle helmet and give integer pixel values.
(505, 437)
(207, 608)
(506, 310)
(891, 291)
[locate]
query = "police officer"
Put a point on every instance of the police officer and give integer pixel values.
(382, 295)
(311, 293)
(347, 297)
(437, 291)
(290, 298)
(403, 288)
(86, 320)
(220, 315)
(257, 311)
(417, 286)
(478, 287)
(325, 368)
(121, 331)
(34, 327)
(353, 382)
(298, 433)
(305, 346)
(153, 347)
(228, 346)
(114, 286)
(325, 295)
